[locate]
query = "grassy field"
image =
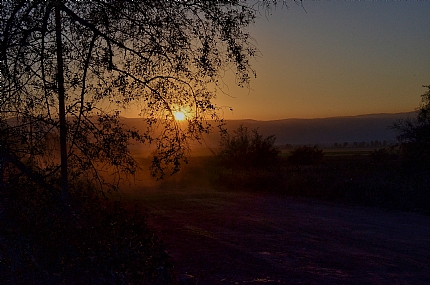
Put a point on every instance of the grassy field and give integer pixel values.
(347, 151)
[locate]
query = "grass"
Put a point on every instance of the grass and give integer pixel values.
(347, 151)
(345, 175)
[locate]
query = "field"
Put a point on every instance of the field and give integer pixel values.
(220, 234)
(347, 151)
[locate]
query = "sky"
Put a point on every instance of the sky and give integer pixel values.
(335, 58)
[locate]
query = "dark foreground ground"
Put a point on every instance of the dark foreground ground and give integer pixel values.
(247, 238)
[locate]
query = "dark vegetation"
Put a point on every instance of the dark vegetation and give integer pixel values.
(394, 177)
(90, 241)
(414, 137)
(380, 179)
(248, 159)
(306, 155)
(245, 149)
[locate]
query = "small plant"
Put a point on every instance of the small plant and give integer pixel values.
(306, 155)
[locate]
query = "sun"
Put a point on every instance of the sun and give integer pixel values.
(179, 116)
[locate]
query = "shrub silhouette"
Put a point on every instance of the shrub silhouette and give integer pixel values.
(306, 155)
(384, 154)
(93, 241)
(247, 149)
(414, 137)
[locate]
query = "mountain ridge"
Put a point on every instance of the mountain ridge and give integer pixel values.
(324, 131)
(370, 115)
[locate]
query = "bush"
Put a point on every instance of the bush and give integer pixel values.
(384, 155)
(247, 149)
(306, 155)
(249, 161)
(91, 241)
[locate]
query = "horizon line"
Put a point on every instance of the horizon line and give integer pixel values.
(297, 118)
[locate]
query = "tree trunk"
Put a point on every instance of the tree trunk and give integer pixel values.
(61, 101)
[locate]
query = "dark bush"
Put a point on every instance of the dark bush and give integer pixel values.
(249, 161)
(306, 155)
(385, 154)
(90, 241)
(247, 149)
(414, 137)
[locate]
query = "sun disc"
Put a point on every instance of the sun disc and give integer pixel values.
(179, 116)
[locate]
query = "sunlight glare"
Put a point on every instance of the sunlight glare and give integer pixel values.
(179, 116)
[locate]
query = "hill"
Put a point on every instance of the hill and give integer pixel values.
(327, 131)
(323, 131)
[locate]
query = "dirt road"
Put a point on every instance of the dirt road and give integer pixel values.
(242, 238)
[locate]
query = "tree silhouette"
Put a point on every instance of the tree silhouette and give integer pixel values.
(69, 67)
(414, 136)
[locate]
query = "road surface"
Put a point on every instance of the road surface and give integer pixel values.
(247, 238)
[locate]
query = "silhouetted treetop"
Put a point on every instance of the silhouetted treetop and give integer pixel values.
(414, 136)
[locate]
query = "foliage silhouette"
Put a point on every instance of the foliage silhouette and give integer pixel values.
(306, 155)
(245, 149)
(98, 242)
(385, 155)
(249, 160)
(414, 137)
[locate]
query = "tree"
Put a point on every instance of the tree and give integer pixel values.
(414, 135)
(69, 67)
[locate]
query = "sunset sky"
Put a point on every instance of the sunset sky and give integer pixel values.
(336, 58)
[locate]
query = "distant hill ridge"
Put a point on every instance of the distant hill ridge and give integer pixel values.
(329, 130)
(325, 131)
